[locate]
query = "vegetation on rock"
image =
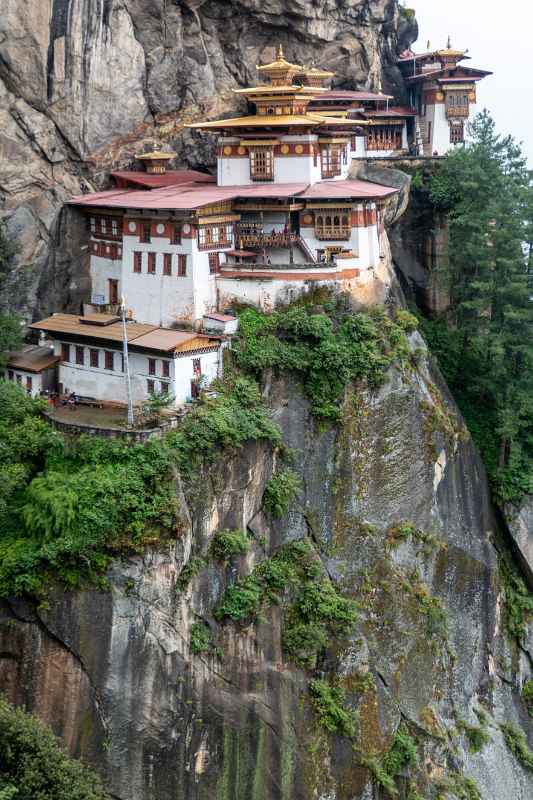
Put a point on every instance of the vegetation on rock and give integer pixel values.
(33, 765)
(516, 741)
(280, 492)
(328, 703)
(483, 342)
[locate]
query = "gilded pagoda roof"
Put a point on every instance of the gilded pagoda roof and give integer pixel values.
(280, 64)
(314, 72)
(155, 155)
(267, 88)
(272, 121)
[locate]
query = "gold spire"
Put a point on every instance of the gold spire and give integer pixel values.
(279, 54)
(449, 43)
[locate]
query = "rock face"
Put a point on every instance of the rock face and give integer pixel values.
(85, 83)
(520, 521)
(114, 674)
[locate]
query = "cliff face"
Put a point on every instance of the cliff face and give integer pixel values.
(84, 83)
(114, 674)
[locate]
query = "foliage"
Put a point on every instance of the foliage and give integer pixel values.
(408, 322)
(315, 611)
(516, 741)
(457, 785)
(194, 565)
(280, 491)
(328, 703)
(518, 605)
(227, 544)
(404, 531)
(33, 765)
(476, 735)
(380, 776)
(66, 509)
(325, 350)
(402, 754)
(527, 696)
(10, 336)
(157, 401)
(200, 638)
(484, 342)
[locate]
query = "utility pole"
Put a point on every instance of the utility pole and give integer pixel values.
(126, 361)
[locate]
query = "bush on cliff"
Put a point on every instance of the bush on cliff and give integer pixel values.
(33, 765)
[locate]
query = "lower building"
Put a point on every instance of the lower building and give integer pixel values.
(89, 354)
(34, 368)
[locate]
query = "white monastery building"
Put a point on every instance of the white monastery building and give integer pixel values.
(281, 216)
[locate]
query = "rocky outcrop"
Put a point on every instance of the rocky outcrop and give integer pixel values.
(84, 84)
(519, 518)
(395, 503)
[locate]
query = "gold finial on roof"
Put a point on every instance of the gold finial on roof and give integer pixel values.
(449, 43)
(279, 55)
(428, 46)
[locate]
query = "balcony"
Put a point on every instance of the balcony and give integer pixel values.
(259, 239)
(333, 233)
(221, 244)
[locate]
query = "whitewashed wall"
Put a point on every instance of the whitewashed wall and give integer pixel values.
(184, 373)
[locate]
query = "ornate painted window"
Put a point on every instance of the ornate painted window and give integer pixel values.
(176, 233)
(384, 137)
(457, 104)
(214, 263)
(333, 225)
(146, 232)
(457, 132)
(212, 237)
(262, 164)
(330, 160)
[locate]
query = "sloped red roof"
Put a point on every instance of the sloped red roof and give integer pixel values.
(350, 188)
(169, 178)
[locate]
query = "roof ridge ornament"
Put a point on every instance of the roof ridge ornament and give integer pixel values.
(449, 43)
(279, 55)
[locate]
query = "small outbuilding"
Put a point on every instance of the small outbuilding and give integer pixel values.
(220, 324)
(34, 368)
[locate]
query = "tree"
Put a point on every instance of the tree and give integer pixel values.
(10, 336)
(485, 341)
(33, 765)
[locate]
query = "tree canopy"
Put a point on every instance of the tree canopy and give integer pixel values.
(484, 341)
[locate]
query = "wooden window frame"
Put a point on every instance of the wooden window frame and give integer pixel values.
(457, 133)
(215, 237)
(150, 386)
(152, 264)
(80, 355)
(113, 291)
(182, 265)
(152, 366)
(165, 371)
(331, 160)
(109, 360)
(138, 262)
(214, 263)
(146, 232)
(65, 352)
(29, 383)
(167, 263)
(176, 233)
(94, 358)
(261, 163)
(333, 225)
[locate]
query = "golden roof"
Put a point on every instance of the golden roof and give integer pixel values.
(274, 121)
(449, 51)
(267, 88)
(280, 64)
(155, 155)
(314, 72)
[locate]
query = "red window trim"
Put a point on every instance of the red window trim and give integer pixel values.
(109, 359)
(167, 263)
(151, 263)
(182, 265)
(94, 358)
(152, 366)
(138, 262)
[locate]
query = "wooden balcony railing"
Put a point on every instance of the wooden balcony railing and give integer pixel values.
(333, 233)
(220, 245)
(267, 239)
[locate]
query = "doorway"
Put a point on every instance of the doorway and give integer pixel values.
(113, 292)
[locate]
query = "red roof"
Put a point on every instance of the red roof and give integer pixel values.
(189, 196)
(169, 178)
(221, 317)
(397, 111)
(340, 189)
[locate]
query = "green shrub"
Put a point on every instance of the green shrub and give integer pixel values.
(33, 765)
(518, 605)
(328, 703)
(325, 350)
(476, 735)
(193, 567)
(516, 741)
(402, 754)
(527, 696)
(380, 776)
(200, 638)
(242, 600)
(407, 321)
(280, 492)
(227, 544)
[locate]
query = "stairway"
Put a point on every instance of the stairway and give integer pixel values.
(308, 253)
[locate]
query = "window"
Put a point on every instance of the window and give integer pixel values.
(211, 237)
(114, 226)
(103, 225)
(457, 133)
(94, 358)
(29, 383)
(457, 104)
(214, 263)
(19, 378)
(93, 224)
(151, 263)
(80, 356)
(182, 265)
(197, 367)
(164, 388)
(113, 291)
(429, 133)
(330, 158)
(109, 359)
(151, 366)
(166, 369)
(332, 224)
(65, 352)
(167, 264)
(262, 164)
(150, 386)
(137, 262)
(146, 232)
(384, 137)
(176, 233)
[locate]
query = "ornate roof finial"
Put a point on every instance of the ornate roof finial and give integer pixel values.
(449, 43)
(428, 46)
(280, 56)
(380, 86)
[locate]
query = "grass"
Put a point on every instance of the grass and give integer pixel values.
(516, 741)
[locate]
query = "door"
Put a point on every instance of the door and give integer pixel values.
(295, 222)
(113, 292)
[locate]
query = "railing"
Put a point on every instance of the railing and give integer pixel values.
(333, 234)
(220, 245)
(259, 267)
(267, 239)
(457, 111)
(383, 144)
(334, 172)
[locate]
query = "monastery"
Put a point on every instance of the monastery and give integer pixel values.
(281, 216)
